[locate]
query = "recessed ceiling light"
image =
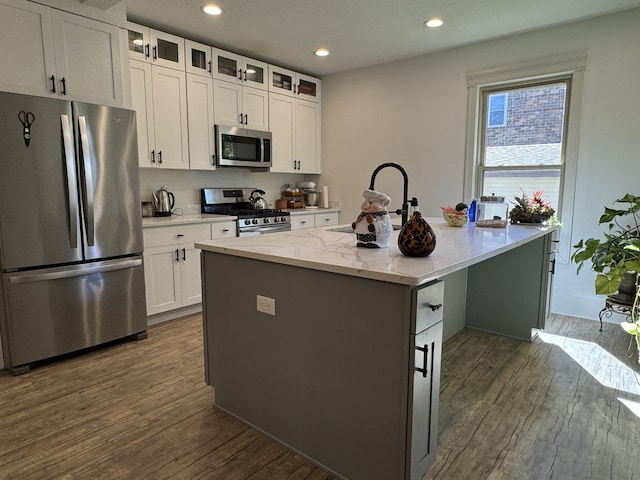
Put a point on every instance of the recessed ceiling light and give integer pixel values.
(211, 9)
(322, 52)
(433, 22)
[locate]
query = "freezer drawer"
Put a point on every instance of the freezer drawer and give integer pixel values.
(50, 312)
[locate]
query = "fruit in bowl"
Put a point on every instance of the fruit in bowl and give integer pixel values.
(456, 216)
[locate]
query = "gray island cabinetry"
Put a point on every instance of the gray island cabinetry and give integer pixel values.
(335, 351)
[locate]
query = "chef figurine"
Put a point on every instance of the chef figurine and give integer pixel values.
(373, 226)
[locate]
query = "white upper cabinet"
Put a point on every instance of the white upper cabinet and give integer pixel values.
(294, 84)
(26, 43)
(159, 98)
(239, 106)
(197, 58)
(200, 121)
(296, 135)
(47, 52)
(88, 63)
(235, 68)
(159, 48)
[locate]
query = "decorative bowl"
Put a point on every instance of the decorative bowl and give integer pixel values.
(455, 219)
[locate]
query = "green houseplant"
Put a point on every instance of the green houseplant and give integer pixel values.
(618, 254)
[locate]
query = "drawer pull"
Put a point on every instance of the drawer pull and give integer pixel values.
(433, 307)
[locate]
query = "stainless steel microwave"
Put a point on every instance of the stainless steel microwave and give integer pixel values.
(240, 147)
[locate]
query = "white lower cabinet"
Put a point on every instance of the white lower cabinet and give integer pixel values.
(172, 266)
(223, 229)
(310, 220)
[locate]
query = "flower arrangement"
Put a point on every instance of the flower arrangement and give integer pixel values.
(531, 210)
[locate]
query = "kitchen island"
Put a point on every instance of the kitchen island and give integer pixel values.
(334, 350)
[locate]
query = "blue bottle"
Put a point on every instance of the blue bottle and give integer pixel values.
(472, 211)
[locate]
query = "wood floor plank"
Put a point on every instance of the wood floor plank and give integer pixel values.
(510, 410)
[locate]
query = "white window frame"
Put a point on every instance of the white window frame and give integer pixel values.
(573, 65)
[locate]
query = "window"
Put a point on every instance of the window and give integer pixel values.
(497, 111)
(525, 152)
(522, 133)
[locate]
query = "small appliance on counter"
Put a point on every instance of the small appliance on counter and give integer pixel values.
(309, 194)
(163, 201)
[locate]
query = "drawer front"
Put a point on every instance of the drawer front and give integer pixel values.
(302, 221)
(223, 230)
(428, 306)
(158, 236)
(326, 219)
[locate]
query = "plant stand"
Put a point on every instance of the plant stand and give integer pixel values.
(611, 306)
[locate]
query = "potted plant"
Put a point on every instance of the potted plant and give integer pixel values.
(531, 210)
(617, 255)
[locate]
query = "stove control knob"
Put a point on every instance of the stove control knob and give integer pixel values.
(255, 221)
(247, 222)
(276, 219)
(283, 219)
(267, 220)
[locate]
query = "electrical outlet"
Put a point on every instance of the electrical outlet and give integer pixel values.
(266, 305)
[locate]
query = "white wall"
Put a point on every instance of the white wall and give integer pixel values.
(413, 112)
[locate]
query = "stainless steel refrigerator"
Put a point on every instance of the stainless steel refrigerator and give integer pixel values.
(70, 228)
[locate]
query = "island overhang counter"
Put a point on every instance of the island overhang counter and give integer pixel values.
(334, 350)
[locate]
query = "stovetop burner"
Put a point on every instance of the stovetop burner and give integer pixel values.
(223, 201)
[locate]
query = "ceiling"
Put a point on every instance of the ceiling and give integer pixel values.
(357, 32)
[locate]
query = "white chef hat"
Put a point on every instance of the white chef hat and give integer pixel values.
(379, 196)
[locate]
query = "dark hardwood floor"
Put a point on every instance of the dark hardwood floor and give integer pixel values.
(560, 407)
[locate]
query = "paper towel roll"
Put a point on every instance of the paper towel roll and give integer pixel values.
(325, 196)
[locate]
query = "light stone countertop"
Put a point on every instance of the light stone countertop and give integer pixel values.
(333, 251)
(301, 211)
(184, 219)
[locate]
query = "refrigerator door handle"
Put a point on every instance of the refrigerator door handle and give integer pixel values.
(72, 192)
(88, 180)
(73, 271)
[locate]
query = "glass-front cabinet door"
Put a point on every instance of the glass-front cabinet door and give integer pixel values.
(167, 50)
(231, 67)
(198, 58)
(226, 66)
(288, 82)
(139, 42)
(254, 73)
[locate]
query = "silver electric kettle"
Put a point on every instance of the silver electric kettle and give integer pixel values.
(163, 202)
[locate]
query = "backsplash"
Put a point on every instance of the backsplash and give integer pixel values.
(186, 184)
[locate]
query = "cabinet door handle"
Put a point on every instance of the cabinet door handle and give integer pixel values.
(180, 235)
(177, 254)
(64, 85)
(240, 74)
(146, 50)
(241, 119)
(153, 156)
(246, 119)
(209, 68)
(155, 52)
(160, 157)
(53, 83)
(225, 230)
(184, 254)
(423, 370)
(245, 75)
(553, 267)
(433, 308)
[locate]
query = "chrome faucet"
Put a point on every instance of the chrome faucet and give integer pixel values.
(404, 211)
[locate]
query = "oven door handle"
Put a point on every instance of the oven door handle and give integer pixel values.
(246, 231)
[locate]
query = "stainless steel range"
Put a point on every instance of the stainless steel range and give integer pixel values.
(235, 202)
